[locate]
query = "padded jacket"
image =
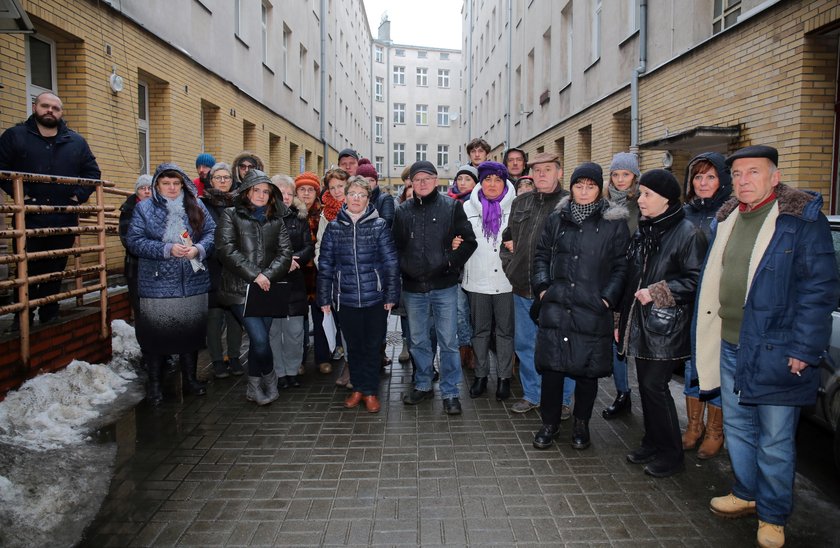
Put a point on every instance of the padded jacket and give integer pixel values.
(216, 202)
(297, 227)
(578, 265)
(701, 211)
(384, 205)
(358, 265)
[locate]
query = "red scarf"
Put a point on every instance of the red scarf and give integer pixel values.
(331, 206)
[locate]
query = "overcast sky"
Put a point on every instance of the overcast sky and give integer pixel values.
(431, 23)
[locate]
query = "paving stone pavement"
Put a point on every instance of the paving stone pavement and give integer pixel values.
(304, 471)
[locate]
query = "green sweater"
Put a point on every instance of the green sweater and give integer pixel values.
(736, 265)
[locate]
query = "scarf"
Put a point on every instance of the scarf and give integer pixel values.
(581, 212)
(259, 213)
(491, 214)
(331, 206)
(175, 214)
(620, 196)
(651, 230)
(456, 194)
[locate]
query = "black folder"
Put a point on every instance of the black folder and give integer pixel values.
(273, 303)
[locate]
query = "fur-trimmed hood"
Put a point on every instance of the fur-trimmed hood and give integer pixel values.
(804, 204)
(724, 178)
(298, 208)
(239, 157)
(610, 211)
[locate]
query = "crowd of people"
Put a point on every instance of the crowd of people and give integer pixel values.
(729, 279)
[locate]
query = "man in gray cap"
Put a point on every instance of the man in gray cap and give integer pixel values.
(348, 160)
(434, 239)
(762, 326)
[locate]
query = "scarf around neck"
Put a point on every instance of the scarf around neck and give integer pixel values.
(331, 206)
(651, 230)
(620, 196)
(175, 214)
(491, 214)
(581, 212)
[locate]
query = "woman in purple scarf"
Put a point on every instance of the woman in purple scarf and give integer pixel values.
(489, 291)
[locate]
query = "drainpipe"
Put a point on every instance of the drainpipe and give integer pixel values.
(323, 129)
(634, 82)
(469, 69)
(509, 70)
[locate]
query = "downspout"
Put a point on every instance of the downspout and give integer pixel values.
(634, 82)
(469, 71)
(323, 129)
(372, 154)
(509, 77)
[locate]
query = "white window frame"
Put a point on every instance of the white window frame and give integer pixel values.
(379, 126)
(399, 113)
(399, 75)
(422, 76)
(443, 78)
(378, 89)
(264, 9)
(442, 155)
(379, 54)
(421, 115)
(443, 116)
(728, 7)
(399, 154)
(595, 31)
(421, 152)
(31, 88)
(143, 126)
(237, 18)
(379, 163)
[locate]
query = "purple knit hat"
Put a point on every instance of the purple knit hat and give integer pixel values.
(492, 168)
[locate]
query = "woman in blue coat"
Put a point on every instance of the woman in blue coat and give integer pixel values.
(358, 274)
(172, 235)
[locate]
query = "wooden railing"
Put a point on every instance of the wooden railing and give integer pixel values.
(95, 224)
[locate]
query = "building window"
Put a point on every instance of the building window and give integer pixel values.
(378, 88)
(264, 33)
(143, 125)
(421, 152)
(422, 54)
(422, 76)
(443, 78)
(399, 113)
(399, 52)
(595, 31)
(422, 115)
(444, 56)
(378, 163)
(631, 8)
(237, 18)
(41, 75)
(725, 14)
(287, 40)
(567, 40)
(442, 155)
(379, 54)
(443, 116)
(399, 154)
(399, 76)
(377, 129)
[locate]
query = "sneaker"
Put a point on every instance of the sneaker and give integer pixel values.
(235, 367)
(452, 406)
(730, 506)
(523, 406)
(566, 412)
(770, 535)
(220, 370)
(338, 353)
(325, 368)
(416, 396)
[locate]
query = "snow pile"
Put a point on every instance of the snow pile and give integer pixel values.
(51, 410)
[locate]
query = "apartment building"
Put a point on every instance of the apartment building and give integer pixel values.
(666, 78)
(417, 113)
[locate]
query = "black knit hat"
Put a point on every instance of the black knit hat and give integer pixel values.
(588, 170)
(422, 167)
(663, 183)
(755, 151)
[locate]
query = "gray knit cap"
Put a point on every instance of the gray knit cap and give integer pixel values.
(143, 180)
(627, 161)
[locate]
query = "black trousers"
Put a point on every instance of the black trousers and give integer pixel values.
(363, 330)
(662, 427)
(47, 266)
(551, 396)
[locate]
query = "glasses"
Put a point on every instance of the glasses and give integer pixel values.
(246, 166)
(306, 189)
(222, 178)
(357, 195)
(423, 180)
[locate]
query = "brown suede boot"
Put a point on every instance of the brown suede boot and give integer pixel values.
(713, 440)
(694, 431)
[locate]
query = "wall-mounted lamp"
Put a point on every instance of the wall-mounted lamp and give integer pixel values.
(116, 81)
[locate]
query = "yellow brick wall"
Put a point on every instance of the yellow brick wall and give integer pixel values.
(177, 87)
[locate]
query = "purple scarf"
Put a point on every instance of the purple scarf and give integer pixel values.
(491, 214)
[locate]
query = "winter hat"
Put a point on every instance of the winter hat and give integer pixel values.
(627, 161)
(663, 183)
(348, 152)
(205, 159)
(422, 167)
(307, 178)
(143, 180)
(366, 169)
(755, 151)
(588, 170)
(492, 168)
(469, 170)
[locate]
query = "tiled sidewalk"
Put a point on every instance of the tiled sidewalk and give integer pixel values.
(304, 471)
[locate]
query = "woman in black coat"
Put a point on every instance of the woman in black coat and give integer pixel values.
(142, 191)
(287, 332)
(254, 247)
(579, 273)
(665, 258)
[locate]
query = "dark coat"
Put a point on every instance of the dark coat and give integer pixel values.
(247, 247)
(303, 248)
(578, 265)
(384, 205)
(22, 148)
(216, 201)
(660, 330)
(788, 306)
(159, 274)
(702, 211)
(131, 260)
(423, 232)
(528, 213)
(358, 265)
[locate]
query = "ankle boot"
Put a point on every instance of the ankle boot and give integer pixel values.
(154, 365)
(580, 434)
(619, 407)
(254, 391)
(694, 430)
(502, 389)
(269, 388)
(479, 387)
(404, 355)
(713, 440)
(189, 363)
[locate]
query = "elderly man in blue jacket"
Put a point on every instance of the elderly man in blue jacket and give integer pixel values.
(44, 144)
(763, 321)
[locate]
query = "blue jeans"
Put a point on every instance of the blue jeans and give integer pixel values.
(260, 358)
(524, 341)
(465, 330)
(692, 387)
(761, 445)
(438, 307)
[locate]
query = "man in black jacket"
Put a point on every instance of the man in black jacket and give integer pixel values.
(434, 239)
(44, 144)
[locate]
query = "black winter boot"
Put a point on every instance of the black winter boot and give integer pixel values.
(502, 389)
(580, 434)
(619, 407)
(189, 364)
(154, 365)
(479, 387)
